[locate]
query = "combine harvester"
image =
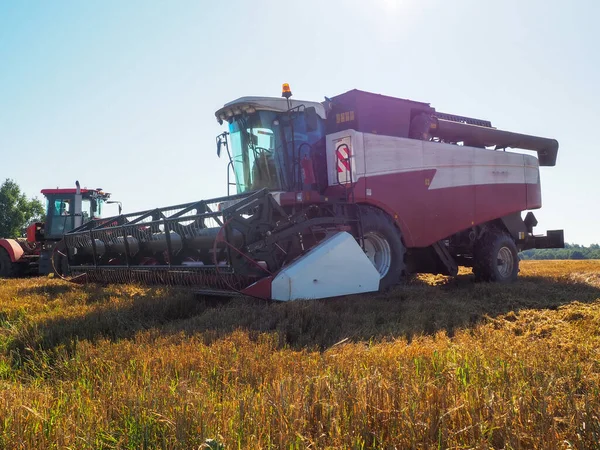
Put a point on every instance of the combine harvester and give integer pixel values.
(335, 198)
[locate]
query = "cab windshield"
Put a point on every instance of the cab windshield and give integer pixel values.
(267, 148)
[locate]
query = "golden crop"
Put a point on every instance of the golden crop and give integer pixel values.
(437, 363)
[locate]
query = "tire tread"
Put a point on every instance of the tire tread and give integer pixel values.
(486, 252)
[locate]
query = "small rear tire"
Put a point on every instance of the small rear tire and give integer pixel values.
(496, 258)
(8, 269)
(383, 246)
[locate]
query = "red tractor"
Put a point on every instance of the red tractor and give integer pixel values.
(39, 253)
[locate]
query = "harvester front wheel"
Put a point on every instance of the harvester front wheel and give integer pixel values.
(496, 258)
(7, 268)
(383, 245)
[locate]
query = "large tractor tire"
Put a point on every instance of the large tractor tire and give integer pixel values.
(383, 246)
(7, 268)
(496, 258)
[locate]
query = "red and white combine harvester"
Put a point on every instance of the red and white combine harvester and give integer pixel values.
(39, 253)
(341, 197)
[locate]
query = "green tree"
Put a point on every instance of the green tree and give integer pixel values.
(16, 210)
(571, 251)
(576, 254)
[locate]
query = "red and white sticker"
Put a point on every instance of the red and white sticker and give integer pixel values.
(343, 158)
(343, 155)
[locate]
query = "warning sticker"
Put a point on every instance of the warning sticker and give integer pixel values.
(343, 155)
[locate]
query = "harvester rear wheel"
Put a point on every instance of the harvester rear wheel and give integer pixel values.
(496, 258)
(7, 268)
(383, 245)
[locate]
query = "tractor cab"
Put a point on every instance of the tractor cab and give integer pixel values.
(274, 142)
(67, 209)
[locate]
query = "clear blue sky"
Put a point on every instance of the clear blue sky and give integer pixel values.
(122, 94)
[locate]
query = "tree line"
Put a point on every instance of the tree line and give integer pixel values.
(571, 251)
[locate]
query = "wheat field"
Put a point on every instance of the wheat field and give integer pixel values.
(436, 363)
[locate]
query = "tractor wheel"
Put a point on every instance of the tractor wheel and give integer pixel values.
(496, 258)
(383, 245)
(7, 268)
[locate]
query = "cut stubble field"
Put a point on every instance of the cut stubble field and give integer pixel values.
(436, 363)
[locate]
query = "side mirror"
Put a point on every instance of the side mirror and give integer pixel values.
(221, 140)
(311, 118)
(94, 205)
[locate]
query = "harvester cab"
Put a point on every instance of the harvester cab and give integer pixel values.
(269, 139)
(334, 198)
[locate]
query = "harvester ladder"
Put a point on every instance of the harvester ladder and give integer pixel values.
(349, 191)
(446, 258)
(348, 186)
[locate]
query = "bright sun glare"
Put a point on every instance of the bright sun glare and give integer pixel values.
(390, 5)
